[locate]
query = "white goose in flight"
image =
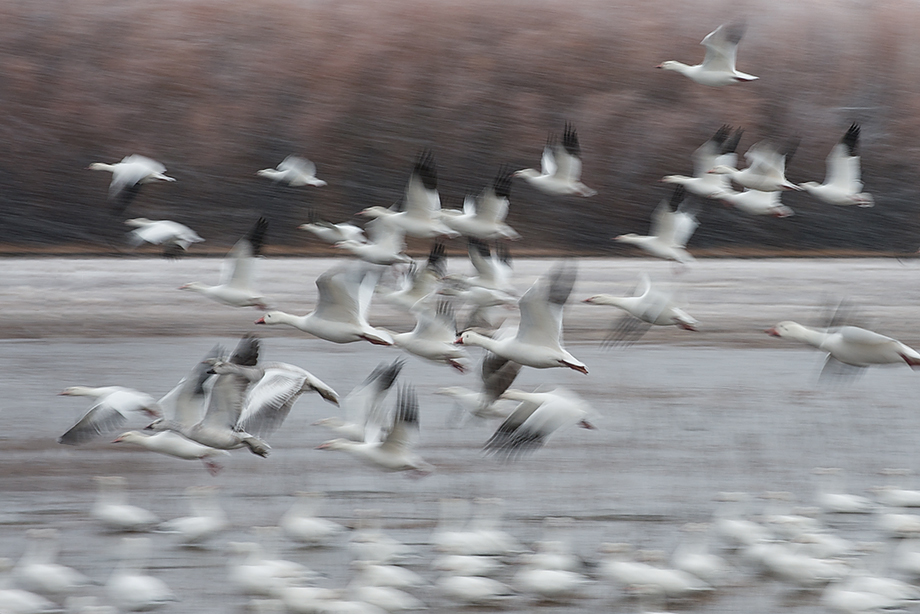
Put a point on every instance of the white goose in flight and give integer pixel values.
(538, 342)
(341, 309)
(755, 202)
(109, 411)
(842, 185)
(384, 247)
(332, 233)
(434, 335)
(767, 170)
(718, 67)
(483, 217)
(560, 168)
(670, 231)
(294, 171)
(496, 374)
(176, 237)
(128, 176)
(719, 150)
(421, 216)
(364, 404)
(237, 284)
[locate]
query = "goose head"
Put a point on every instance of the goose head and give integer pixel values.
(335, 444)
(128, 437)
(272, 317)
(673, 65)
(526, 173)
(786, 329)
(722, 169)
(376, 211)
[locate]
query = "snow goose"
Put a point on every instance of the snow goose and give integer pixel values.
(766, 171)
(849, 345)
(483, 218)
(340, 315)
(619, 566)
(556, 585)
(37, 572)
(332, 233)
(496, 374)
(387, 598)
(369, 573)
(755, 202)
(175, 237)
(670, 231)
(894, 495)
(474, 590)
(252, 569)
(18, 601)
(842, 185)
(111, 507)
(236, 287)
(207, 520)
(171, 443)
(364, 404)
(560, 168)
(831, 498)
(433, 336)
(539, 336)
(128, 176)
(539, 415)
(294, 171)
(647, 307)
(718, 67)
(420, 282)
(394, 452)
(274, 388)
(422, 204)
(108, 412)
(467, 564)
(719, 150)
(384, 247)
(128, 588)
(219, 428)
(301, 523)
(369, 543)
(493, 268)
(693, 556)
(731, 527)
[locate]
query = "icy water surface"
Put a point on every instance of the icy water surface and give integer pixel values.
(681, 417)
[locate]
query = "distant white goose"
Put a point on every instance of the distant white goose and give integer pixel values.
(340, 315)
(719, 150)
(128, 588)
(766, 171)
(385, 244)
(170, 443)
(419, 282)
(252, 571)
(111, 507)
(474, 590)
(421, 216)
(207, 520)
(433, 336)
(831, 498)
(394, 452)
(538, 342)
(670, 231)
(560, 168)
(176, 237)
(647, 307)
(539, 415)
(496, 374)
(558, 585)
(237, 284)
(755, 202)
(294, 171)
(619, 566)
(483, 218)
(693, 556)
(842, 184)
(850, 345)
(301, 523)
(128, 176)
(18, 601)
(332, 233)
(37, 571)
(364, 413)
(109, 412)
(718, 67)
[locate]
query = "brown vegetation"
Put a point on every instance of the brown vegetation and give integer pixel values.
(217, 89)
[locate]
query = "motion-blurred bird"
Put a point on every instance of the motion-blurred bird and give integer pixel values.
(294, 171)
(670, 231)
(842, 185)
(560, 168)
(175, 237)
(718, 67)
(127, 178)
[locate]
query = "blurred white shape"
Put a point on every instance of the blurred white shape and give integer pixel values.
(294, 171)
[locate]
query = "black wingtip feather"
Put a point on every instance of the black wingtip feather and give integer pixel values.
(734, 32)
(407, 405)
(677, 197)
(437, 261)
(851, 139)
(427, 170)
(731, 144)
(501, 185)
(246, 353)
(561, 281)
(481, 246)
(504, 253)
(256, 236)
(570, 140)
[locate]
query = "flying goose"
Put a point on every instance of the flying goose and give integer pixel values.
(842, 185)
(385, 244)
(767, 170)
(755, 202)
(128, 176)
(719, 150)
(364, 404)
(420, 282)
(175, 237)
(434, 335)
(236, 287)
(108, 412)
(294, 171)
(484, 217)
(496, 374)
(560, 168)
(332, 233)
(718, 67)
(670, 231)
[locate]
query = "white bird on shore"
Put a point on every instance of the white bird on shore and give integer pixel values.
(394, 452)
(842, 185)
(237, 284)
(560, 168)
(647, 307)
(37, 571)
(755, 202)
(483, 217)
(207, 519)
(109, 412)
(669, 233)
(538, 342)
(332, 233)
(832, 499)
(302, 524)
(112, 509)
(340, 315)
(850, 345)
(421, 216)
(128, 588)
(176, 237)
(539, 415)
(719, 150)
(128, 176)
(718, 67)
(294, 171)
(767, 170)
(364, 404)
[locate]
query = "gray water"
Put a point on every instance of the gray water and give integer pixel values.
(681, 417)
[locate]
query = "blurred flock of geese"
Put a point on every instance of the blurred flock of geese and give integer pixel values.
(232, 400)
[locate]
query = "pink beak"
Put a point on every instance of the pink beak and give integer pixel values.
(260, 321)
(587, 425)
(772, 331)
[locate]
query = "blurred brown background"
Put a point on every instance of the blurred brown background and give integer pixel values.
(219, 89)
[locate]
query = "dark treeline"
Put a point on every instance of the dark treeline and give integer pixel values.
(217, 89)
